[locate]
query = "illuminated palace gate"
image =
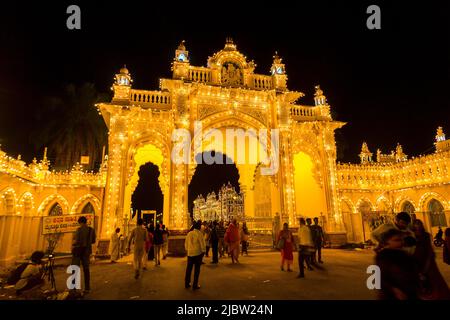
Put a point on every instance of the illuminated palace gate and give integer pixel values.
(225, 94)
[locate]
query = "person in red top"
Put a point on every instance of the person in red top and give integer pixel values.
(232, 239)
(286, 242)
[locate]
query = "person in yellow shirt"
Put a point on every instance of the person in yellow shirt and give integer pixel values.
(195, 247)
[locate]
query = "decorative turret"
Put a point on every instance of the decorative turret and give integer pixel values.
(399, 155)
(442, 144)
(180, 65)
(365, 155)
(278, 73)
(319, 97)
(122, 86)
(229, 44)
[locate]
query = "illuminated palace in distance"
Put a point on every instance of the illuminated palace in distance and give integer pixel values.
(226, 206)
(350, 199)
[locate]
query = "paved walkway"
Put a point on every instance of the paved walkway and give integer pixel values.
(257, 277)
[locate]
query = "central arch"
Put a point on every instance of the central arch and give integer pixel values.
(142, 154)
(239, 139)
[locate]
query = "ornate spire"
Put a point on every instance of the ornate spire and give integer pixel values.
(365, 155)
(399, 154)
(181, 46)
(440, 135)
(229, 44)
(276, 58)
(319, 97)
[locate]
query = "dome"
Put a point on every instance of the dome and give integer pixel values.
(124, 70)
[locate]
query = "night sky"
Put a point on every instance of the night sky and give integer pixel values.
(389, 85)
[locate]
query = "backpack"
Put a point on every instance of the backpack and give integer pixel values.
(14, 277)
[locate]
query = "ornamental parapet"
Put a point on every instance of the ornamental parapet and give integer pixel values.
(310, 113)
(150, 99)
(432, 169)
(38, 172)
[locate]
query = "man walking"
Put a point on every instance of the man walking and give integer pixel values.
(305, 246)
(318, 237)
(158, 242)
(139, 236)
(214, 242)
(82, 242)
(196, 247)
(221, 235)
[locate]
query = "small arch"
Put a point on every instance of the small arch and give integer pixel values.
(398, 204)
(424, 199)
(25, 205)
(348, 202)
(50, 201)
(79, 205)
(436, 213)
(382, 200)
(364, 203)
(8, 201)
(407, 206)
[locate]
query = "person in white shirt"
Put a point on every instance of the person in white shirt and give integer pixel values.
(195, 247)
(305, 247)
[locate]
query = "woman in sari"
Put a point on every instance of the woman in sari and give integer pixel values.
(232, 239)
(285, 242)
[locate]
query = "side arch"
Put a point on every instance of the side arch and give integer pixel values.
(48, 202)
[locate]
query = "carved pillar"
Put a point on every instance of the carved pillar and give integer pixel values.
(286, 185)
(330, 181)
(179, 216)
(113, 202)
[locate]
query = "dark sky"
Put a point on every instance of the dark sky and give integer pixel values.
(389, 85)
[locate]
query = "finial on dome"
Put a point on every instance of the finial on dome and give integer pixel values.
(229, 44)
(124, 69)
(182, 45)
(276, 58)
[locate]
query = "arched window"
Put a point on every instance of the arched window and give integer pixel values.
(408, 207)
(9, 202)
(88, 208)
(436, 212)
(56, 210)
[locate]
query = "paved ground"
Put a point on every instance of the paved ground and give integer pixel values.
(257, 277)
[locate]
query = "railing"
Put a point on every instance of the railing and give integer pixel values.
(443, 145)
(423, 170)
(199, 74)
(262, 82)
(148, 98)
(309, 113)
(38, 172)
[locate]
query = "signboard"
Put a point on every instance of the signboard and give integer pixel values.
(64, 223)
(84, 160)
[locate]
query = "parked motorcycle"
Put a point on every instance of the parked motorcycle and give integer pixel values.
(438, 240)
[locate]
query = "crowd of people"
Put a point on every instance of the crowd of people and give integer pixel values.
(221, 239)
(150, 244)
(404, 253)
(309, 246)
(407, 261)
